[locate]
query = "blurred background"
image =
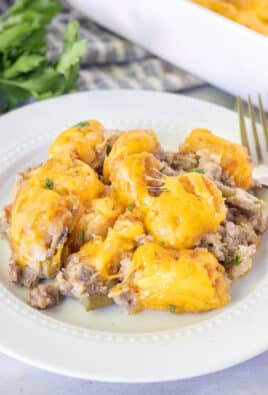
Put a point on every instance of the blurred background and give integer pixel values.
(212, 50)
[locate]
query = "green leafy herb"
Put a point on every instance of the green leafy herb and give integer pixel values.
(82, 237)
(108, 149)
(195, 170)
(81, 124)
(130, 207)
(162, 243)
(172, 308)
(25, 71)
(237, 260)
(49, 184)
(11, 95)
(23, 64)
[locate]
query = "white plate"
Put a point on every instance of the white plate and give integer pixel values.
(108, 344)
(214, 48)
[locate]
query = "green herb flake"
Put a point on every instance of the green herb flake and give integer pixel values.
(82, 236)
(49, 184)
(108, 149)
(162, 243)
(195, 170)
(81, 124)
(130, 207)
(237, 260)
(172, 308)
(227, 258)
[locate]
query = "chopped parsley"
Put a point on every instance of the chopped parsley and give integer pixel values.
(81, 124)
(237, 260)
(130, 207)
(49, 184)
(82, 236)
(162, 243)
(195, 170)
(172, 308)
(108, 149)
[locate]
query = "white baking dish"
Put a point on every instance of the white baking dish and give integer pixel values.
(208, 45)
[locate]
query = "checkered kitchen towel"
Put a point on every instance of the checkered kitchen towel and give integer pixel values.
(112, 62)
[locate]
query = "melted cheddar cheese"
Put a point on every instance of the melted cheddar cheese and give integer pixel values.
(179, 281)
(131, 142)
(49, 201)
(40, 217)
(129, 176)
(189, 207)
(96, 221)
(104, 255)
(80, 141)
(68, 178)
(120, 227)
(234, 158)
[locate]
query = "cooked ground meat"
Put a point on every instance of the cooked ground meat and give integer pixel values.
(103, 149)
(167, 170)
(235, 235)
(227, 179)
(28, 276)
(97, 163)
(245, 254)
(204, 160)
(78, 279)
(213, 242)
(242, 199)
(126, 299)
(246, 202)
(235, 243)
(179, 161)
(210, 163)
(44, 296)
(154, 183)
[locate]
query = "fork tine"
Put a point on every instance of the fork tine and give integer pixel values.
(254, 130)
(263, 121)
(243, 130)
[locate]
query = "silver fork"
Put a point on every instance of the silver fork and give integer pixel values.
(257, 147)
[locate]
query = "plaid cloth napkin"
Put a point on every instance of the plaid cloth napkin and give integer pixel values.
(112, 62)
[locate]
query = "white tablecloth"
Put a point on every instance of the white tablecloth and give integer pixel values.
(249, 378)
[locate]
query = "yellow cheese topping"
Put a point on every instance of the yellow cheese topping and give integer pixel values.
(179, 281)
(234, 158)
(189, 207)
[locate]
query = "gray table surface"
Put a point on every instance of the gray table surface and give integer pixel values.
(249, 378)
